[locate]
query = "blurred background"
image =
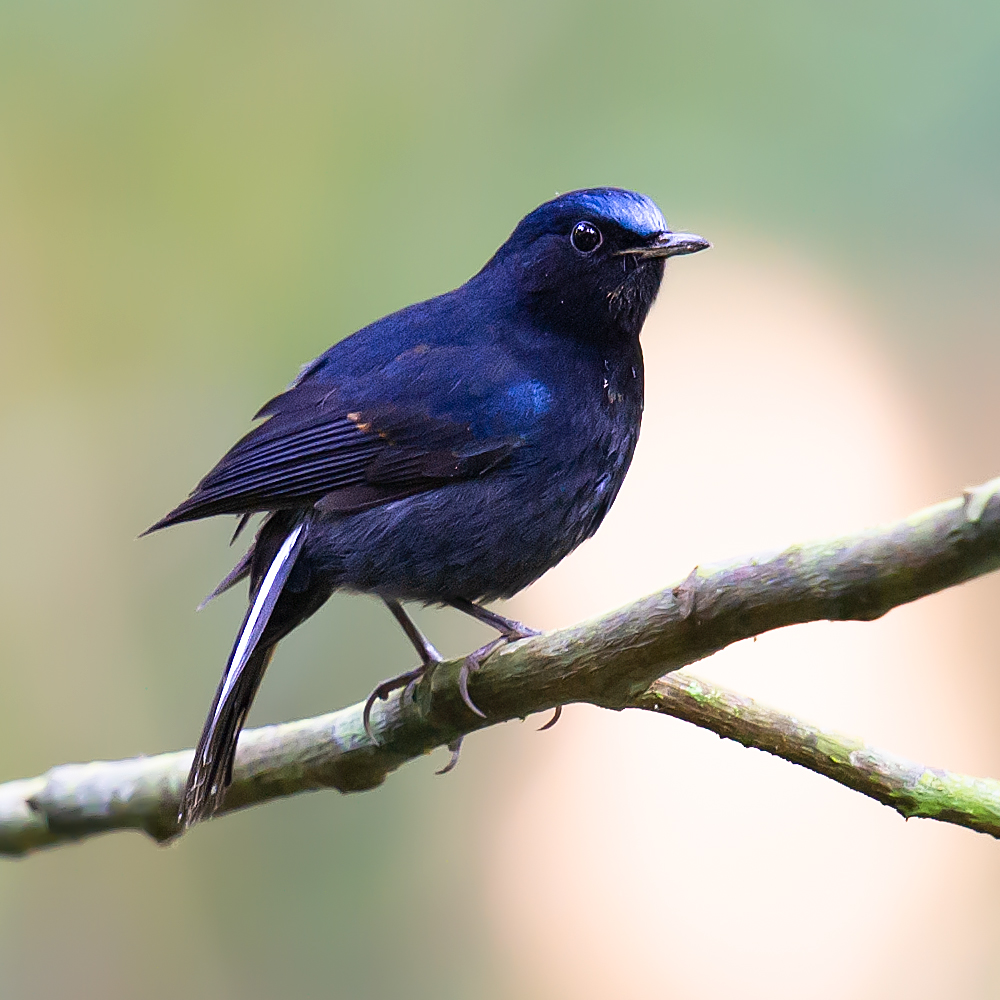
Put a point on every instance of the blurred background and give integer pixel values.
(195, 199)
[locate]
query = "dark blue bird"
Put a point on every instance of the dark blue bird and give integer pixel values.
(449, 453)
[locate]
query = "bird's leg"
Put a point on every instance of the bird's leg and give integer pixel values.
(429, 656)
(507, 627)
(427, 653)
(509, 632)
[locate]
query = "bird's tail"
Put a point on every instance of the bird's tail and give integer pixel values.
(212, 770)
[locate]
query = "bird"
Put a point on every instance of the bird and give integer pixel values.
(447, 454)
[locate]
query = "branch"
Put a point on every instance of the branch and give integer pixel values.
(912, 789)
(613, 661)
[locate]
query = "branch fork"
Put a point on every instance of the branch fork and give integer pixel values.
(623, 659)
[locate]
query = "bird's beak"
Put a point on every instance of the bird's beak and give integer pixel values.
(670, 245)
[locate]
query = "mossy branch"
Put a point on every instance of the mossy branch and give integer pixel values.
(617, 660)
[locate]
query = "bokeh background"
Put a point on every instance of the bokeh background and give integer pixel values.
(197, 198)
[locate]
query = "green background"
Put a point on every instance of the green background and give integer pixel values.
(197, 198)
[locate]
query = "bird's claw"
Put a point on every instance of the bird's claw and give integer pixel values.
(456, 748)
(470, 665)
(555, 718)
(512, 631)
(405, 681)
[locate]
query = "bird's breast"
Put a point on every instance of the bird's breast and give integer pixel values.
(584, 443)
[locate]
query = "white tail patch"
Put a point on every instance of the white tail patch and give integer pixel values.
(257, 618)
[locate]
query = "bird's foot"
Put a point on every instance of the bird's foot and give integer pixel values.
(405, 681)
(429, 658)
(511, 631)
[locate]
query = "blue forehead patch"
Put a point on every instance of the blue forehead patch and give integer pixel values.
(631, 210)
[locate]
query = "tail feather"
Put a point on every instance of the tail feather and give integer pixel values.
(239, 572)
(212, 770)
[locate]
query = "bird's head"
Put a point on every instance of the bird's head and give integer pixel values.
(591, 261)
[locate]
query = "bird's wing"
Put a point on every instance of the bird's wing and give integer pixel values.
(321, 444)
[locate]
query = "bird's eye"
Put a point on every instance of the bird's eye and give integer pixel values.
(586, 237)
